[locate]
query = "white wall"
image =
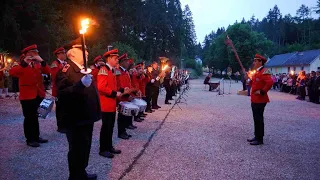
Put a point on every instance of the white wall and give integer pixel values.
(315, 64)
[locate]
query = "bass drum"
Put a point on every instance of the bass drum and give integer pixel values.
(142, 104)
(45, 108)
(128, 109)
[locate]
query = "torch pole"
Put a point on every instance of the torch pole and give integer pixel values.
(84, 52)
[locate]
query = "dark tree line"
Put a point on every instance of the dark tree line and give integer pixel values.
(146, 29)
(274, 34)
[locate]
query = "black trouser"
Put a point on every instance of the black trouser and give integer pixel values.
(108, 119)
(79, 138)
(155, 94)
(311, 94)
(122, 123)
(168, 94)
(31, 123)
(244, 86)
(59, 115)
(257, 111)
(302, 92)
(148, 96)
(316, 95)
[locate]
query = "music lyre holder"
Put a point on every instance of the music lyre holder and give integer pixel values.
(230, 85)
(183, 92)
(219, 92)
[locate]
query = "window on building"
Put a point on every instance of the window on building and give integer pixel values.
(294, 68)
(302, 68)
(288, 69)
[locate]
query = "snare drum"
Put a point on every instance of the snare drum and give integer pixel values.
(128, 109)
(45, 108)
(142, 104)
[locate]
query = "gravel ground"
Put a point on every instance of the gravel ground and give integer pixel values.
(204, 140)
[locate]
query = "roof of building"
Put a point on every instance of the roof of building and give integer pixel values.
(294, 59)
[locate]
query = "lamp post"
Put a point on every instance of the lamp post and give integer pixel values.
(84, 26)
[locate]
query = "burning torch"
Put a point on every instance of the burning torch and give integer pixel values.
(84, 25)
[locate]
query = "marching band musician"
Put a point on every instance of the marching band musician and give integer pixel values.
(80, 104)
(98, 62)
(135, 77)
(167, 83)
(32, 91)
(56, 66)
(142, 81)
(107, 88)
(261, 82)
(149, 88)
(123, 83)
(155, 80)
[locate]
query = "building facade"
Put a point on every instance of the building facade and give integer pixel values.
(286, 63)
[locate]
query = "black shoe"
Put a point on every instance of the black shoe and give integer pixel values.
(158, 106)
(114, 151)
(138, 119)
(149, 111)
(128, 135)
(40, 140)
(132, 127)
(251, 140)
(123, 136)
(167, 103)
(171, 99)
(62, 130)
(92, 176)
(144, 114)
(33, 144)
(256, 142)
(155, 107)
(106, 154)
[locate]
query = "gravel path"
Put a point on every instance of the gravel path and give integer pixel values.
(204, 140)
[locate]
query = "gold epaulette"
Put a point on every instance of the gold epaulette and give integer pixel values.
(15, 64)
(267, 71)
(117, 72)
(65, 68)
(53, 65)
(102, 71)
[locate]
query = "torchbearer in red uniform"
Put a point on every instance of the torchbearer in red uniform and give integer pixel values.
(56, 66)
(32, 92)
(261, 82)
(98, 62)
(124, 83)
(108, 92)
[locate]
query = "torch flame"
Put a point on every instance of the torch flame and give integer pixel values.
(84, 26)
(292, 72)
(9, 60)
(165, 67)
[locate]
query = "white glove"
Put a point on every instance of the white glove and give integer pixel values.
(152, 80)
(158, 78)
(118, 94)
(86, 80)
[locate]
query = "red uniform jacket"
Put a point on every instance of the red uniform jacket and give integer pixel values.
(94, 73)
(142, 84)
(1, 75)
(261, 80)
(30, 79)
(123, 81)
(135, 80)
(55, 67)
(107, 88)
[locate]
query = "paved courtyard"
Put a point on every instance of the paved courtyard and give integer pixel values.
(205, 139)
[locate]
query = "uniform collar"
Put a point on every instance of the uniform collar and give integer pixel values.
(60, 61)
(77, 67)
(259, 68)
(110, 67)
(123, 69)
